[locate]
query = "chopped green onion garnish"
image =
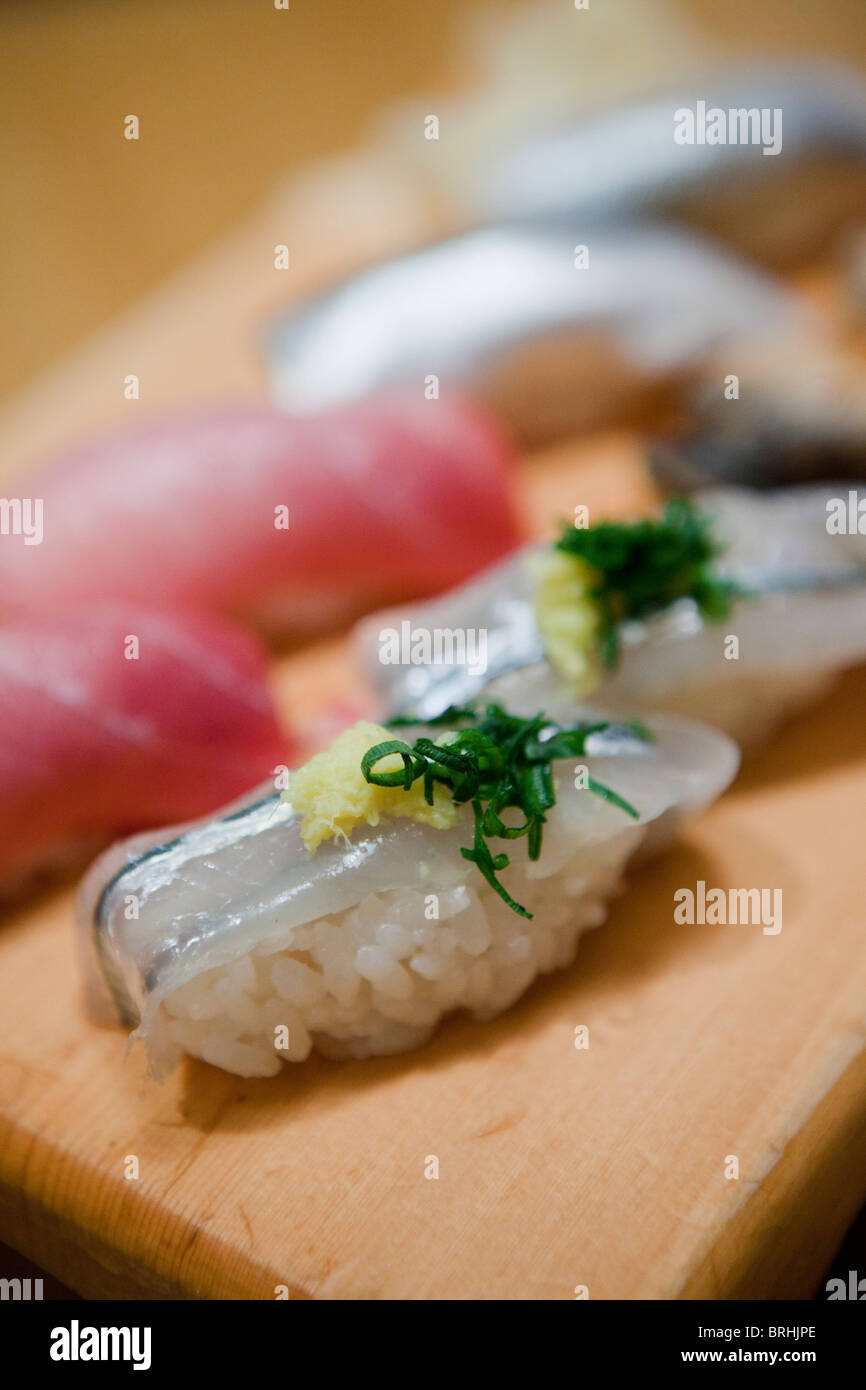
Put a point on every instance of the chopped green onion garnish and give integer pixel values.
(500, 760)
(644, 566)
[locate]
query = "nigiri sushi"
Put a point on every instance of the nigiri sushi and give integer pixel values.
(734, 607)
(296, 525)
(550, 334)
(783, 169)
(115, 717)
(352, 910)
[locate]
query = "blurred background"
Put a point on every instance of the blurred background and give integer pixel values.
(234, 97)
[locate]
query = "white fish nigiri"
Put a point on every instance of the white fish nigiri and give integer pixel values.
(800, 620)
(654, 155)
(230, 940)
(503, 312)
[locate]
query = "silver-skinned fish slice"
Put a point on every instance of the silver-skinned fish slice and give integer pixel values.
(802, 620)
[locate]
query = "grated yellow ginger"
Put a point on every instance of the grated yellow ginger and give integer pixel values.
(332, 798)
(568, 617)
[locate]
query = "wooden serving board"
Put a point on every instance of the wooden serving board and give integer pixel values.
(560, 1169)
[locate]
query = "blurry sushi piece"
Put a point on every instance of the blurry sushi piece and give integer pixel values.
(351, 913)
(778, 174)
(735, 607)
(114, 717)
(296, 525)
(553, 326)
(799, 416)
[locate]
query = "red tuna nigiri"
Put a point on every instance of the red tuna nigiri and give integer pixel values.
(96, 739)
(295, 523)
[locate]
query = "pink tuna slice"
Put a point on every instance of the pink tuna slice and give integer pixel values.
(95, 741)
(387, 500)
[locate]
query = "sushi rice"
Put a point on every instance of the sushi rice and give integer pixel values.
(377, 978)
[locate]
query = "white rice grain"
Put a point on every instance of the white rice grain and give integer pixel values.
(377, 978)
